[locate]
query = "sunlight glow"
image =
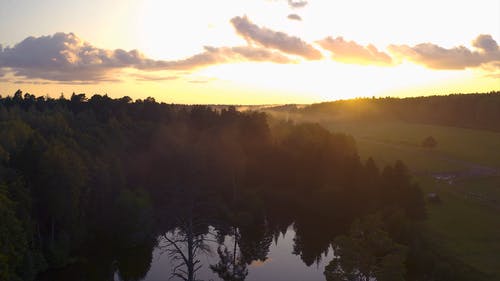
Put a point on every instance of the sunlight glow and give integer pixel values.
(175, 30)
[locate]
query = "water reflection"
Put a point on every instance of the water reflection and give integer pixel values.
(195, 244)
(184, 245)
(260, 252)
(277, 262)
(135, 263)
(232, 265)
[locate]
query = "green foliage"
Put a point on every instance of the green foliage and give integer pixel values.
(478, 111)
(472, 241)
(62, 174)
(400, 193)
(134, 262)
(73, 168)
(133, 217)
(229, 267)
(14, 134)
(13, 244)
(58, 250)
(367, 253)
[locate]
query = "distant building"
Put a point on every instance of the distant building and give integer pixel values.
(433, 197)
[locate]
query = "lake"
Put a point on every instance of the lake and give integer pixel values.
(285, 253)
(280, 264)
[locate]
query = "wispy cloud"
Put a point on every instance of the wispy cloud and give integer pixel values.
(297, 3)
(436, 57)
(23, 82)
(274, 39)
(492, 69)
(294, 17)
(219, 55)
(149, 77)
(201, 81)
(352, 52)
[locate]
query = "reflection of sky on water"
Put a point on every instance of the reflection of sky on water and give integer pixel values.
(280, 265)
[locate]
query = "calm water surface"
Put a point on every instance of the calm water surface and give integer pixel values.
(281, 263)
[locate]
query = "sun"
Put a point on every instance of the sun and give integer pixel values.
(328, 80)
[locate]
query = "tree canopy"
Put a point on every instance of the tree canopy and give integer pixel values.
(79, 170)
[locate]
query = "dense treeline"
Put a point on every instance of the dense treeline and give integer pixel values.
(78, 170)
(476, 111)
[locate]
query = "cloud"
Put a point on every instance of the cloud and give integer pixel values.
(32, 82)
(491, 66)
(258, 54)
(274, 39)
(201, 81)
(352, 52)
(492, 69)
(219, 55)
(65, 57)
(294, 17)
(486, 43)
(148, 77)
(297, 4)
(436, 57)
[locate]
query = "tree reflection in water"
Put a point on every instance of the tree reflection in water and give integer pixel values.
(231, 266)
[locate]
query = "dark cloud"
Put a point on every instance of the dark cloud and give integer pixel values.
(65, 57)
(352, 52)
(486, 43)
(294, 17)
(433, 56)
(274, 39)
(297, 4)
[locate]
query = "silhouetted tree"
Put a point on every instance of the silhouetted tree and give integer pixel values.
(429, 142)
(230, 267)
(368, 253)
(183, 245)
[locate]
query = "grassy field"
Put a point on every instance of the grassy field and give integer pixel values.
(455, 145)
(467, 223)
(465, 226)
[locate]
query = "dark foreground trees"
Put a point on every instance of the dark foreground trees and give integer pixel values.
(367, 253)
(82, 171)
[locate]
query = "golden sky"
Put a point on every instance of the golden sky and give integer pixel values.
(249, 51)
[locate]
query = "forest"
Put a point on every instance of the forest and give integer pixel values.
(77, 171)
(474, 110)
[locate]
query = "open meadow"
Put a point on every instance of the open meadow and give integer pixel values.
(463, 170)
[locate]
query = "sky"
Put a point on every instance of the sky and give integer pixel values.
(249, 51)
